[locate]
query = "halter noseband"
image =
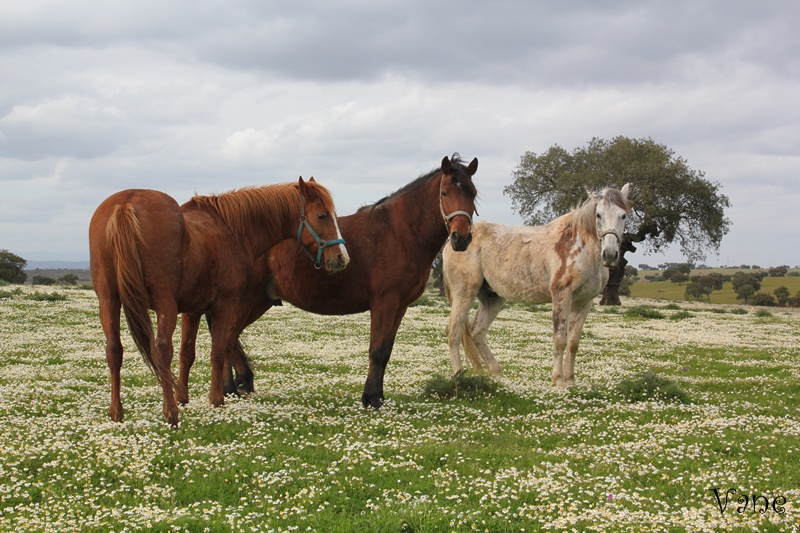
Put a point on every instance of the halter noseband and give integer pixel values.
(321, 243)
(454, 214)
(610, 232)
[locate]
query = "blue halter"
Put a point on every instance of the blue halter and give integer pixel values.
(321, 243)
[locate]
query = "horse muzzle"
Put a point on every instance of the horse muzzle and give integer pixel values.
(460, 242)
(336, 264)
(610, 258)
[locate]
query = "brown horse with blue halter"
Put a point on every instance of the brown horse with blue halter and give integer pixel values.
(146, 252)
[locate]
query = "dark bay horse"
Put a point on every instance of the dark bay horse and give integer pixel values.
(392, 245)
(146, 252)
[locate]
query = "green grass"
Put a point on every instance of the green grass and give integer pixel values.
(661, 411)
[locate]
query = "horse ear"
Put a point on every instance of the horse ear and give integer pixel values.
(306, 189)
(473, 167)
(312, 180)
(626, 189)
(447, 167)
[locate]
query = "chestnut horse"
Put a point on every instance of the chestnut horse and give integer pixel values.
(565, 262)
(392, 245)
(146, 252)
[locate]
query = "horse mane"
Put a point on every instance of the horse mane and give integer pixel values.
(461, 176)
(264, 207)
(582, 218)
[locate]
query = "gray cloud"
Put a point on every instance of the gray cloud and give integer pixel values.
(208, 96)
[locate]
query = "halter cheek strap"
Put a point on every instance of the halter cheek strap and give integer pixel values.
(321, 243)
(454, 214)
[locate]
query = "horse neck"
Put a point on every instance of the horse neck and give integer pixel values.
(258, 234)
(268, 234)
(577, 226)
(422, 216)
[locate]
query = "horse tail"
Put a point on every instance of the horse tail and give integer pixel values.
(470, 348)
(125, 236)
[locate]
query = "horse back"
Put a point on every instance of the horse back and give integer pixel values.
(516, 262)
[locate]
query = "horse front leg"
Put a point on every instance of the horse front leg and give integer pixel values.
(245, 379)
(488, 309)
(575, 326)
(190, 323)
(384, 323)
(560, 312)
(244, 383)
(225, 327)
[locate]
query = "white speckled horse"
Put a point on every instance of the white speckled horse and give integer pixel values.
(565, 262)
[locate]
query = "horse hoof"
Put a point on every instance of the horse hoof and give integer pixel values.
(116, 414)
(374, 402)
(245, 385)
(216, 402)
(495, 370)
(172, 417)
(232, 390)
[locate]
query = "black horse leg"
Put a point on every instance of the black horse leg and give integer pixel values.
(383, 330)
(244, 372)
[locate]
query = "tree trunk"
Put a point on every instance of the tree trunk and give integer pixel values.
(611, 290)
(615, 275)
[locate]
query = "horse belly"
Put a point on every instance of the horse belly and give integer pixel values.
(526, 281)
(528, 290)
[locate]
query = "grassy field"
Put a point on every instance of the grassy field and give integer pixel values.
(301, 454)
(666, 290)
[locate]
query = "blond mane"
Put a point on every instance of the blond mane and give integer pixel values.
(265, 208)
(582, 218)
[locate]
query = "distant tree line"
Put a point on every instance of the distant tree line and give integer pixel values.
(12, 270)
(746, 285)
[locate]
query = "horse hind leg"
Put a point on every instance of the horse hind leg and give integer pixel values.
(110, 321)
(190, 323)
(489, 306)
(456, 325)
(167, 321)
(560, 329)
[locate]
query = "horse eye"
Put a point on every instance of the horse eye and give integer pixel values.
(598, 216)
(322, 216)
(624, 217)
(444, 193)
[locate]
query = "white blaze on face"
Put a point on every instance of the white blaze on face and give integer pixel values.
(342, 247)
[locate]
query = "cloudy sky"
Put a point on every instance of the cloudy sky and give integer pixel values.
(206, 96)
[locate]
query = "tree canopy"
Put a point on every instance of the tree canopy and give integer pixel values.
(671, 202)
(11, 267)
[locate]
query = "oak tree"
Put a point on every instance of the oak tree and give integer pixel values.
(11, 267)
(670, 201)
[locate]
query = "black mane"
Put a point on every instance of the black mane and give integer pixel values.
(460, 174)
